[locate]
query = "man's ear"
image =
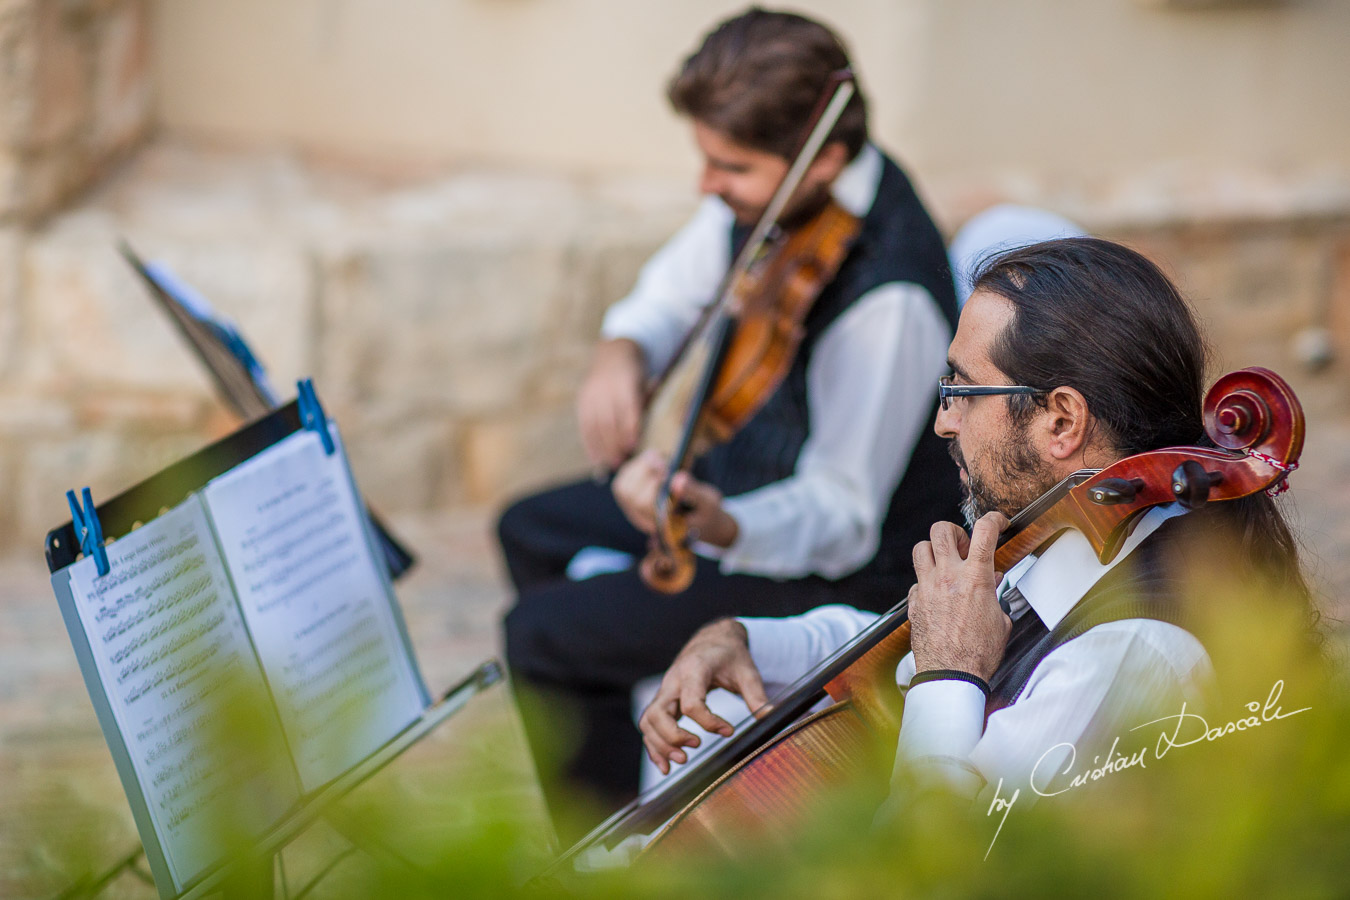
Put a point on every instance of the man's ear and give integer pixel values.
(829, 162)
(1067, 423)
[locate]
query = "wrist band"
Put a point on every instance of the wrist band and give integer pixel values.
(950, 675)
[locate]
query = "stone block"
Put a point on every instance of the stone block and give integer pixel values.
(45, 469)
(121, 85)
(507, 456)
(48, 178)
(88, 320)
(140, 412)
(25, 415)
(91, 322)
(449, 325)
(555, 381)
(60, 85)
(403, 462)
(262, 279)
(1339, 294)
(11, 185)
(1254, 286)
(18, 55)
(11, 298)
(11, 538)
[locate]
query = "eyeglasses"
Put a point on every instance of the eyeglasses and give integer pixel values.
(947, 390)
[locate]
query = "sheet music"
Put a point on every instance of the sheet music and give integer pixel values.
(322, 618)
(179, 672)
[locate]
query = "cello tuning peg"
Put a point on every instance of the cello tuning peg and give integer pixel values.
(1111, 491)
(1191, 484)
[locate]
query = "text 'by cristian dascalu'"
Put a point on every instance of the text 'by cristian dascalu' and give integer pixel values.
(1182, 729)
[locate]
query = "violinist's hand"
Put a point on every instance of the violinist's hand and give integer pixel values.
(717, 656)
(638, 482)
(609, 405)
(954, 614)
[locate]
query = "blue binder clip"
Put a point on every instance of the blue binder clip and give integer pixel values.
(311, 414)
(88, 531)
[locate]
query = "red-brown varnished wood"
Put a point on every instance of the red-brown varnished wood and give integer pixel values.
(771, 301)
(760, 801)
(764, 801)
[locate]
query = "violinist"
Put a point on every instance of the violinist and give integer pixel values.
(1087, 650)
(817, 499)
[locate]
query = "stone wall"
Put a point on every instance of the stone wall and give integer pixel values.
(75, 94)
(446, 322)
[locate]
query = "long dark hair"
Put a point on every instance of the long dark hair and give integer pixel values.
(1101, 318)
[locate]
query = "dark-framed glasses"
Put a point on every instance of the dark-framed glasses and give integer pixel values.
(947, 390)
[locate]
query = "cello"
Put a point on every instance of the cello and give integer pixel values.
(743, 345)
(766, 772)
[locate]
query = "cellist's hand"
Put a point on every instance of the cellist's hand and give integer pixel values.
(638, 482)
(717, 656)
(609, 404)
(953, 609)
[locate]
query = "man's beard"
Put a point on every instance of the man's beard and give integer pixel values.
(1022, 476)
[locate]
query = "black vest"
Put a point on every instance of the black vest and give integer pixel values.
(1140, 587)
(898, 242)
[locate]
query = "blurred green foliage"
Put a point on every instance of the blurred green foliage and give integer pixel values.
(1259, 812)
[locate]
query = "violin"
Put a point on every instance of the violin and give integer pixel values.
(744, 344)
(758, 781)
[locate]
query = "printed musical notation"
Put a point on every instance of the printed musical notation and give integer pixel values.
(176, 664)
(322, 619)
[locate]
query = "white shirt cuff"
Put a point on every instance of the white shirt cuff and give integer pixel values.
(942, 723)
(779, 648)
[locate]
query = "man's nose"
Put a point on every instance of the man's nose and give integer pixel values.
(947, 422)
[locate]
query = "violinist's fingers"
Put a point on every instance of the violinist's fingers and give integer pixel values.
(696, 494)
(627, 416)
(636, 487)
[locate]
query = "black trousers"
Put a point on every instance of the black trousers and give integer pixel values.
(577, 648)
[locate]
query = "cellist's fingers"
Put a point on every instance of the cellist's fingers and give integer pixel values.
(694, 704)
(744, 679)
(662, 735)
(924, 563)
(949, 542)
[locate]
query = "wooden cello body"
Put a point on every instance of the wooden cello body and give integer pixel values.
(754, 790)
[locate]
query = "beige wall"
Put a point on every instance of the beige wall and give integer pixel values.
(1069, 89)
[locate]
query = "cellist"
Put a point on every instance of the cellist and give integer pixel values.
(818, 498)
(1045, 381)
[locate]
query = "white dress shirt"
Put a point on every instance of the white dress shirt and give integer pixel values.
(869, 390)
(1078, 694)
